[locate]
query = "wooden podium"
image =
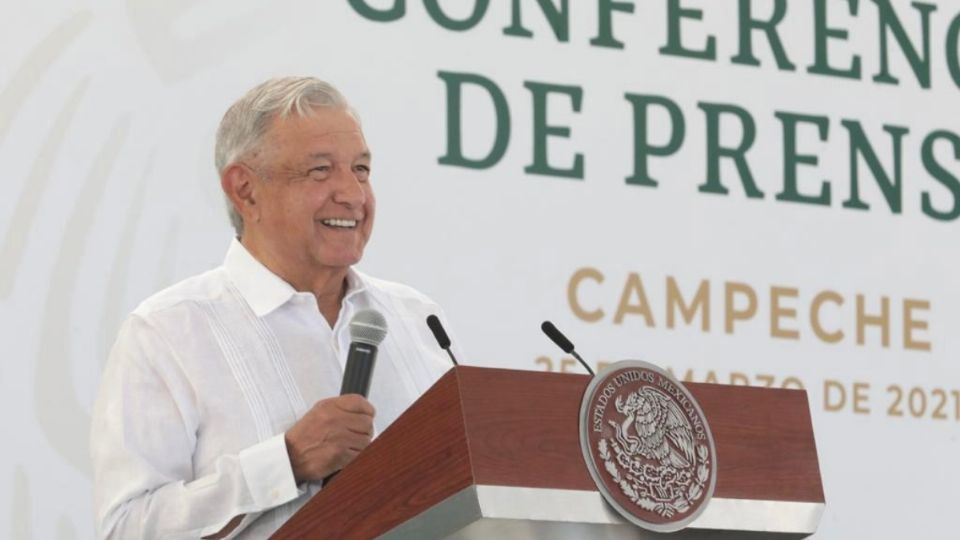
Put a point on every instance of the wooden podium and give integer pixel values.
(494, 453)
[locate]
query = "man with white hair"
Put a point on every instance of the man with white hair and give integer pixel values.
(218, 412)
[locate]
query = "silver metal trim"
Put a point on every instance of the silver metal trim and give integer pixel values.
(443, 519)
(590, 507)
(527, 512)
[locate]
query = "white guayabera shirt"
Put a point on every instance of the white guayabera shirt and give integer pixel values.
(206, 376)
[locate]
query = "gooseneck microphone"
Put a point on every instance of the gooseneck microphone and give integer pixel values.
(367, 330)
(561, 340)
(441, 336)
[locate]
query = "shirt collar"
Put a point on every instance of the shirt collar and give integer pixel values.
(355, 284)
(265, 291)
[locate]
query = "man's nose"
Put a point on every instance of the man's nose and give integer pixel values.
(348, 189)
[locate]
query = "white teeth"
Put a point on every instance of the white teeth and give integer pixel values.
(344, 223)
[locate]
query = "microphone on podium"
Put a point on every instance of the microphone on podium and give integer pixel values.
(561, 340)
(441, 336)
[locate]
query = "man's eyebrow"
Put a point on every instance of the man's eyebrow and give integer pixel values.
(329, 155)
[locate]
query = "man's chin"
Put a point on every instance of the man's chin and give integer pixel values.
(343, 261)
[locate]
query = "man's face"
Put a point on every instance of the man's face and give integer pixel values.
(316, 205)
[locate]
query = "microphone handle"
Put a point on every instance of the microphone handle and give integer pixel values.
(356, 377)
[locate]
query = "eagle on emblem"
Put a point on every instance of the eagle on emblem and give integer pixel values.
(660, 429)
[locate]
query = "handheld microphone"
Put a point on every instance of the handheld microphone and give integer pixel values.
(561, 340)
(441, 336)
(367, 330)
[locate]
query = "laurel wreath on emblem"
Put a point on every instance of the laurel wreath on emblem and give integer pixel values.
(663, 471)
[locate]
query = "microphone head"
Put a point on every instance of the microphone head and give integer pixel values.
(368, 326)
(438, 332)
(561, 340)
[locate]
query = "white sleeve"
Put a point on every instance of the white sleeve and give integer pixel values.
(143, 436)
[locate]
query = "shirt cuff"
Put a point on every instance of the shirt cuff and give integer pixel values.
(267, 471)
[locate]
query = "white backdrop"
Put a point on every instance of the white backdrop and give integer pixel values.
(107, 115)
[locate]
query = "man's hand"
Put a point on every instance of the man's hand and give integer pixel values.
(329, 436)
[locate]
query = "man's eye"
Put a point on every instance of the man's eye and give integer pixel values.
(319, 172)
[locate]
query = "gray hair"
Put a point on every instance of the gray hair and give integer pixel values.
(247, 121)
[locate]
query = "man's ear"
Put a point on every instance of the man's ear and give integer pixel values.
(237, 182)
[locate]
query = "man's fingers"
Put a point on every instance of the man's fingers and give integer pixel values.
(364, 431)
(356, 442)
(355, 403)
(358, 423)
(360, 431)
(349, 438)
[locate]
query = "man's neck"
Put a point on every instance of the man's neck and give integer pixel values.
(328, 285)
(330, 297)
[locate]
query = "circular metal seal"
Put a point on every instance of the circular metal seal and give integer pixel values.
(647, 446)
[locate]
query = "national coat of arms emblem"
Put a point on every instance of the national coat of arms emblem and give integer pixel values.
(647, 445)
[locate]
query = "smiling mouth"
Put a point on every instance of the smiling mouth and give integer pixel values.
(340, 223)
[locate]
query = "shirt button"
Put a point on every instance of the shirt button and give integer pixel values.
(275, 494)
